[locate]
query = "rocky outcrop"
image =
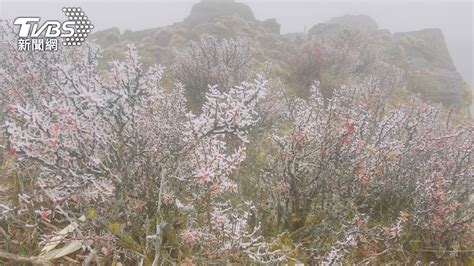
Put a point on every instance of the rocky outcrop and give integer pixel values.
(425, 48)
(272, 25)
(423, 56)
(208, 10)
(360, 22)
(429, 67)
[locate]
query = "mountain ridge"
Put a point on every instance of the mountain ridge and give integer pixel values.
(422, 54)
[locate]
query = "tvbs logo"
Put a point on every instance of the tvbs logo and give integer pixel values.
(40, 37)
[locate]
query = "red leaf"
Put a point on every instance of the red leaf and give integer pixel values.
(349, 128)
(364, 180)
(187, 262)
(45, 214)
(9, 107)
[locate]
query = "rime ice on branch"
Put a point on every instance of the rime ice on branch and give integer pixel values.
(121, 140)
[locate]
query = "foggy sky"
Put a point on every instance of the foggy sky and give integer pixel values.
(454, 18)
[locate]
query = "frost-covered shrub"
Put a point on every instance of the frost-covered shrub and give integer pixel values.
(123, 150)
(211, 61)
(116, 159)
(352, 177)
(333, 58)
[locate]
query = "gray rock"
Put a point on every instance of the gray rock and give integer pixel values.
(207, 10)
(428, 44)
(361, 22)
(429, 67)
(347, 22)
(272, 25)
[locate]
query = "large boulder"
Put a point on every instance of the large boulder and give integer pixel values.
(427, 47)
(429, 67)
(272, 25)
(208, 10)
(359, 22)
